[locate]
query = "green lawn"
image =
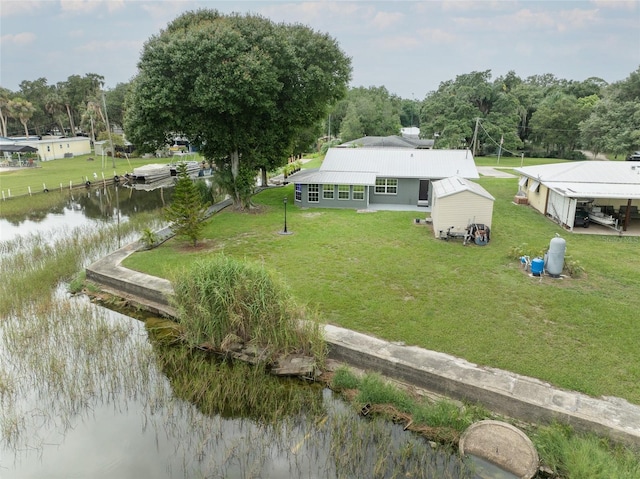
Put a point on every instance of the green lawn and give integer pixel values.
(381, 274)
(76, 170)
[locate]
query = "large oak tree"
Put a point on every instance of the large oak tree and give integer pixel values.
(240, 87)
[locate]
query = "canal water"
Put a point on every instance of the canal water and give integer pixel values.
(82, 393)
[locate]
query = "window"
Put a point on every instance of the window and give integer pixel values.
(386, 186)
(343, 192)
(328, 192)
(358, 192)
(298, 192)
(313, 193)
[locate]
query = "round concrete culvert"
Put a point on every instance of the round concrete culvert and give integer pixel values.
(501, 444)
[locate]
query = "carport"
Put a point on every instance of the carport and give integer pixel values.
(611, 187)
(16, 148)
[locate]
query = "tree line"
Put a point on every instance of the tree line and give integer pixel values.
(250, 93)
(539, 115)
(67, 108)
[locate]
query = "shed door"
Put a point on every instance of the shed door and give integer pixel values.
(423, 193)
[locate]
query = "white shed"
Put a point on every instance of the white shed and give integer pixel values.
(457, 203)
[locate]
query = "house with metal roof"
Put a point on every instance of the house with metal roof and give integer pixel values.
(610, 190)
(379, 178)
(392, 141)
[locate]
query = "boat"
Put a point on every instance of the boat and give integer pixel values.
(193, 167)
(597, 216)
(150, 173)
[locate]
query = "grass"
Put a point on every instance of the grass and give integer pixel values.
(383, 275)
(58, 174)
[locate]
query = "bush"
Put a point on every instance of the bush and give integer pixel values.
(575, 155)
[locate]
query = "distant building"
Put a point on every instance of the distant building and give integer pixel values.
(54, 148)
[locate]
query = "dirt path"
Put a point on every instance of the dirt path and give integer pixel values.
(591, 156)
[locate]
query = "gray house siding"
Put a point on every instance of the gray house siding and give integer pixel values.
(407, 193)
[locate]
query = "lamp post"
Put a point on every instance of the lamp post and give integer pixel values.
(284, 231)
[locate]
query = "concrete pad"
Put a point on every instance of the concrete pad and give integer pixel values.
(503, 445)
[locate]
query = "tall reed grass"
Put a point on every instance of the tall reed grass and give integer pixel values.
(222, 299)
(579, 456)
(33, 265)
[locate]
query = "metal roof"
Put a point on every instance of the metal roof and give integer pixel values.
(401, 162)
(317, 176)
(588, 179)
(455, 184)
(388, 142)
(17, 148)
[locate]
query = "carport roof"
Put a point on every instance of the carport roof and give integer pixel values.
(17, 149)
(588, 179)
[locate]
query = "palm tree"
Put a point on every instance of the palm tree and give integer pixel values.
(4, 110)
(22, 110)
(55, 107)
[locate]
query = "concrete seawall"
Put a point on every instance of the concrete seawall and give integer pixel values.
(503, 392)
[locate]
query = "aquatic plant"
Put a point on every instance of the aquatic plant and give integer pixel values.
(221, 299)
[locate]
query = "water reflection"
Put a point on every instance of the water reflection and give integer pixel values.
(85, 207)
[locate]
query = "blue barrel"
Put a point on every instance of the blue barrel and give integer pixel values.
(537, 265)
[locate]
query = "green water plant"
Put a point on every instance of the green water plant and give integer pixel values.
(221, 299)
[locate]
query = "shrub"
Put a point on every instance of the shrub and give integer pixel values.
(149, 238)
(221, 299)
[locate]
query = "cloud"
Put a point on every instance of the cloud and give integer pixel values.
(102, 47)
(617, 5)
(82, 7)
(20, 39)
(10, 8)
(384, 20)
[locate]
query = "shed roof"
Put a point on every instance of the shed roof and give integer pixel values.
(588, 179)
(455, 184)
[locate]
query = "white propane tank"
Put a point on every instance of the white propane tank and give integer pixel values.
(555, 256)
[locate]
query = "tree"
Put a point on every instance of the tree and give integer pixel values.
(5, 97)
(186, 211)
(54, 106)
(367, 112)
(115, 100)
(22, 110)
(555, 123)
(234, 85)
(36, 92)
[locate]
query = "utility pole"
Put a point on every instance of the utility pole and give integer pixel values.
(475, 137)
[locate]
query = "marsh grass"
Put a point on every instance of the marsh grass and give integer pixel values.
(439, 420)
(374, 449)
(33, 265)
(236, 389)
(579, 456)
(221, 299)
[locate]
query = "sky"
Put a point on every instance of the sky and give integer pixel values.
(409, 47)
